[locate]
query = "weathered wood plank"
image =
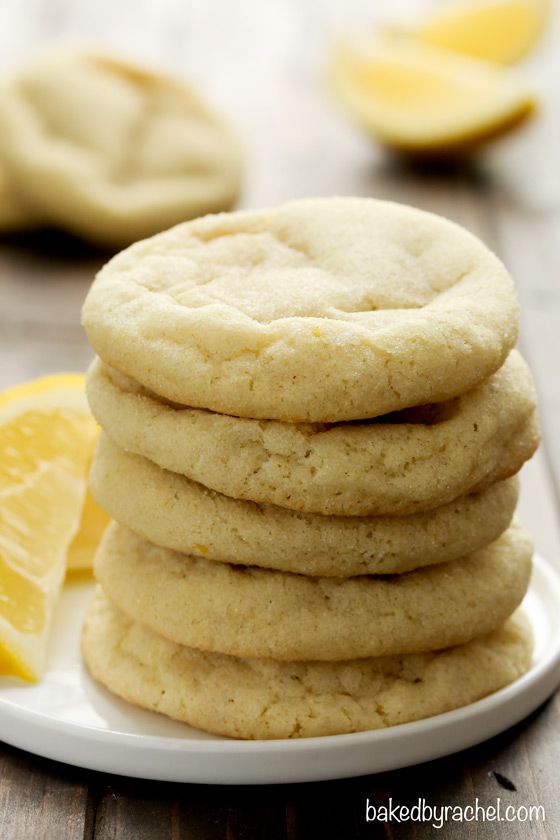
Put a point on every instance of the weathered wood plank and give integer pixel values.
(43, 800)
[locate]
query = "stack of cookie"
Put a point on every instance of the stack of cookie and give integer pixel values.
(313, 417)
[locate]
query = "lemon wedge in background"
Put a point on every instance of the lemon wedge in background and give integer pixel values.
(423, 99)
(46, 439)
(496, 30)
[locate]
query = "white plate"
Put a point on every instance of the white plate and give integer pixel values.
(68, 717)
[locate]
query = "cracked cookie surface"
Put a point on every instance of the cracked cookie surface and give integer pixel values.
(112, 151)
(319, 310)
(259, 613)
(248, 698)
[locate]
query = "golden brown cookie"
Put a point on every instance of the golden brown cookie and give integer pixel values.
(112, 151)
(319, 310)
(244, 698)
(415, 460)
(172, 511)
(257, 613)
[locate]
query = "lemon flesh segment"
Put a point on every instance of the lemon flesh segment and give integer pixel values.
(46, 438)
(502, 31)
(419, 98)
(93, 522)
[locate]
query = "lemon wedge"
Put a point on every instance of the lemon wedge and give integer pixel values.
(93, 522)
(424, 99)
(496, 30)
(46, 439)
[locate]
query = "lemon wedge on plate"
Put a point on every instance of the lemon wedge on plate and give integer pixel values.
(46, 438)
(93, 522)
(497, 30)
(425, 99)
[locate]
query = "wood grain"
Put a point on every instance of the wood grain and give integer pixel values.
(40, 799)
(262, 64)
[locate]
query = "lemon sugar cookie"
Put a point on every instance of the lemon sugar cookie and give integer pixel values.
(249, 698)
(319, 310)
(259, 613)
(15, 215)
(111, 151)
(194, 520)
(412, 461)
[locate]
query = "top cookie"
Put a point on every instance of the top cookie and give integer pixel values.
(112, 151)
(320, 310)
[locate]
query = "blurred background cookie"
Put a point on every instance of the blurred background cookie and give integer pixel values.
(15, 214)
(111, 151)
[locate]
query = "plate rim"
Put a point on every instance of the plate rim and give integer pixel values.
(546, 671)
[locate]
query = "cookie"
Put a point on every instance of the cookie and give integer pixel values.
(194, 520)
(111, 151)
(416, 460)
(320, 310)
(14, 213)
(258, 613)
(251, 698)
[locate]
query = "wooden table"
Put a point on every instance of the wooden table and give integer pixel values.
(261, 63)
